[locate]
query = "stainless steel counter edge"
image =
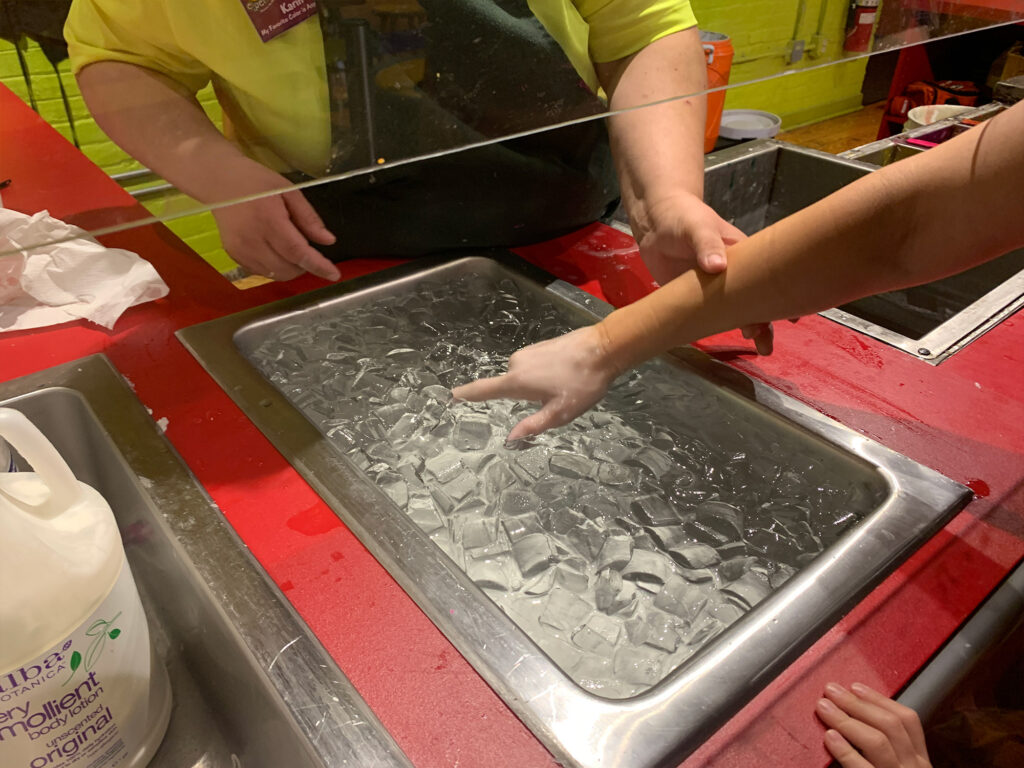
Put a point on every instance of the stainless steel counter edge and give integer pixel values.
(664, 724)
(326, 708)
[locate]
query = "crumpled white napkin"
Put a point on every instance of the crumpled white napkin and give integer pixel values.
(50, 284)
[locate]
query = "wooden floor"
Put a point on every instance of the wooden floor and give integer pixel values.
(840, 133)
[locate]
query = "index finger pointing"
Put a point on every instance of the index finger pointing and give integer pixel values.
(485, 389)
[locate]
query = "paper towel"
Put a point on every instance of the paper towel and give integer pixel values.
(75, 279)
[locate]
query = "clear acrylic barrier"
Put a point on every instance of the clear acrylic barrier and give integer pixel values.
(418, 97)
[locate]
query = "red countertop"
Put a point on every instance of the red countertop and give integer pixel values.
(964, 418)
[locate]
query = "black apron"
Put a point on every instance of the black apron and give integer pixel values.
(491, 70)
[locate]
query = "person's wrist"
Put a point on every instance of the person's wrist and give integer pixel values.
(228, 176)
(609, 361)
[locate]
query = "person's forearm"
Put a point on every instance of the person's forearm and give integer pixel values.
(658, 150)
(921, 219)
(161, 125)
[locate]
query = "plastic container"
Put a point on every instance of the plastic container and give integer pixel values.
(6, 458)
(744, 124)
(932, 113)
(718, 53)
(79, 684)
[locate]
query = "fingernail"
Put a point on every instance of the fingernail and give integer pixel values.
(715, 261)
(835, 689)
(860, 688)
(834, 736)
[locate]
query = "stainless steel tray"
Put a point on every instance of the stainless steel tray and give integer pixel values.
(670, 719)
(251, 685)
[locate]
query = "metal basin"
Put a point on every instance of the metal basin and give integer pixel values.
(251, 685)
(757, 184)
(685, 461)
(888, 152)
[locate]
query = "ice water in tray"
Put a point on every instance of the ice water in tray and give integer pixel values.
(622, 543)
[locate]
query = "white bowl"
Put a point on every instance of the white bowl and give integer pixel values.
(932, 113)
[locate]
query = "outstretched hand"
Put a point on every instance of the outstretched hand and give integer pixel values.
(567, 375)
(869, 730)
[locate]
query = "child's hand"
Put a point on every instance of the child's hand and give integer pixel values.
(567, 375)
(868, 730)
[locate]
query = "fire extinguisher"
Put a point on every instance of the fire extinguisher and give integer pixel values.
(860, 23)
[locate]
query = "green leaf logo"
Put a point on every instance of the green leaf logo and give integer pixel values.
(112, 634)
(76, 660)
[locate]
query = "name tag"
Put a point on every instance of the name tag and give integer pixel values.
(272, 17)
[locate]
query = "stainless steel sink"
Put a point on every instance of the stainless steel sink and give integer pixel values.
(754, 185)
(330, 377)
(888, 152)
(251, 685)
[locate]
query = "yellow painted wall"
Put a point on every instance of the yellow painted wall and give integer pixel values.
(761, 32)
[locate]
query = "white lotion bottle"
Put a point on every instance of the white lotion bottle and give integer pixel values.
(79, 684)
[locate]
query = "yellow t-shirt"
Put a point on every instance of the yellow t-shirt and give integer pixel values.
(274, 95)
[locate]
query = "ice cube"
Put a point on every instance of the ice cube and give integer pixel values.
(515, 501)
(730, 570)
(694, 555)
(533, 553)
(561, 520)
(488, 574)
(648, 567)
(612, 594)
(403, 428)
(599, 635)
(615, 552)
(540, 584)
(497, 477)
(471, 434)
(587, 539)
(564, 610)
(724, 518)
(461, 486)
(479, 533)
(438, 393)
(571, 466)
(615, 474)
(518, 526)
(636, 666)
(445, 466)
(681, 598)
(382, 452)
(533, 462)
(571, 579)
(748, 590)
(405, 357)
(422, 512)
(394, 486)
(661, 632)
(654, 510)
(654, 461)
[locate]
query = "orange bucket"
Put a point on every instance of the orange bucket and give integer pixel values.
(718, 53)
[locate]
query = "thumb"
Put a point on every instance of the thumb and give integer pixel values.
(710, 250)
(307, 219)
